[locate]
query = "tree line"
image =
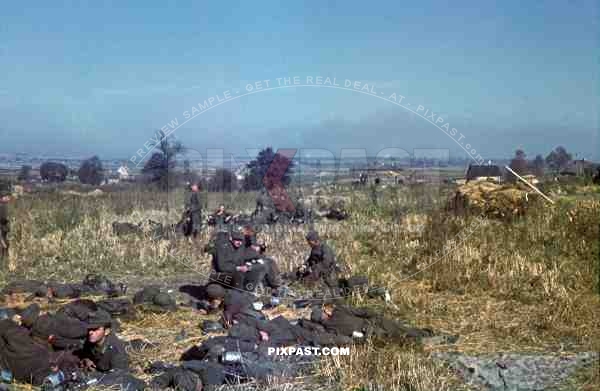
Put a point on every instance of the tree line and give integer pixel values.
(159, 171)
(556, 161)
(266, 170)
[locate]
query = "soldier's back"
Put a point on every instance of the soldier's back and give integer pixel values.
(344, 322)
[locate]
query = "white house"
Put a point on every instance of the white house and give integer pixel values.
(123, 172)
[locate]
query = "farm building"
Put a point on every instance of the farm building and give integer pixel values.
(483, 173)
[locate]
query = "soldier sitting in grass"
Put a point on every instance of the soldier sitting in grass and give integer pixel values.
(321, 265)
(231, 262)
(264, 271)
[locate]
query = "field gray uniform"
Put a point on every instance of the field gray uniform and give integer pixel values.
(111, 355)
(194, 207)
(226, 259)
(263, 271)
(347, 320)
(322, 267)
(29, 359)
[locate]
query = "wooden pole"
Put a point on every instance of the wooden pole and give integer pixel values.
(529, 184)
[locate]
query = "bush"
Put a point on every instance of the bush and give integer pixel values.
(91, 172)
(160, 168)
(269, 167)
(53, 172)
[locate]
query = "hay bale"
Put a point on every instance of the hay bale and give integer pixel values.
(492, 199)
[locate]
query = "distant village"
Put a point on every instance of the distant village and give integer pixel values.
(375, 171)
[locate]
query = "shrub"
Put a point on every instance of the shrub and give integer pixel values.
(91, 172)
(53, 172)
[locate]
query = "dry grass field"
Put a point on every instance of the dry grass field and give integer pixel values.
(526, 285)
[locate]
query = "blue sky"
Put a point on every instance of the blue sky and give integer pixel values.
(99, 77)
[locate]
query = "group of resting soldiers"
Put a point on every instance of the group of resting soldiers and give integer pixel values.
(270, 208)
(78, 342)
(240, 266)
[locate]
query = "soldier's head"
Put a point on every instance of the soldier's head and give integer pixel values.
(321, 313)
(312, 238)
(248, 230)
(221, 209)
(215, 294)
(195, 187)
(99, 325)
(97, 335)
(237, 239)
(328, 310)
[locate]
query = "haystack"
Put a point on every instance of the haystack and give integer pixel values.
(492, 199)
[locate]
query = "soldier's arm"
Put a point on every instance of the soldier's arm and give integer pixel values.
(363, 312)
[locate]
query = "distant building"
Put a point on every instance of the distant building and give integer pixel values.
(241, 173)
(123, 172)
(483, 173)
(578, 168)
(391, 176)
